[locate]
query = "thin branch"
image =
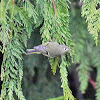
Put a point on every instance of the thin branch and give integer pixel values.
(92, 83)
(13, 2)
(54, 8)
(7, 34)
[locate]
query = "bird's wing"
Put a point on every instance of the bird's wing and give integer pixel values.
(40, 49)
(45, 44)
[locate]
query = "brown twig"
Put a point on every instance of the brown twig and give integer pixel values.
(92, 83)
(54, 8)
(13, 2)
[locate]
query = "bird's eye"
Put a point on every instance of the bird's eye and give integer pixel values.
(65, 48)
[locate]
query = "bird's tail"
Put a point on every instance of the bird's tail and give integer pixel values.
(32, 51)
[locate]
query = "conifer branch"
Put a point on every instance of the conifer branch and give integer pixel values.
(91, 14)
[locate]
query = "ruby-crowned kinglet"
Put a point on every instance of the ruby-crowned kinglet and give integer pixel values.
(50, 49)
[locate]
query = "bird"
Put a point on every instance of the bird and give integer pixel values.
(50, 49)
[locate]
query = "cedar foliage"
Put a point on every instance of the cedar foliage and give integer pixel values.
(91, 12)
(15, 29)
(17, 19)
(87, 53)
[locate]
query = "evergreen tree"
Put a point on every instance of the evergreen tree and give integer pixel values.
(18, 18)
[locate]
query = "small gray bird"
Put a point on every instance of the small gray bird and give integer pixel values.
(50, 49)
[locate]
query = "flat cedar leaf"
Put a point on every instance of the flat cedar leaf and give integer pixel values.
(92, 16)
(20, 73)
(54, 63)
(63, 72)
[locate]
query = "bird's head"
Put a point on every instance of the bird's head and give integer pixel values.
(64, 49)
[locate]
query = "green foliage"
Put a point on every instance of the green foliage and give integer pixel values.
(15, 29)
(87, 53)
(16, 21)
(54, 63)
(83, 72)
(91, 12)
(56, 27)
(67, 92)
(82, 48)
